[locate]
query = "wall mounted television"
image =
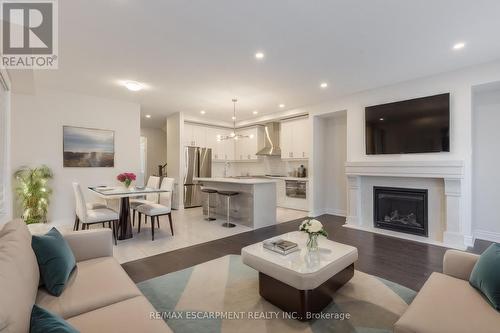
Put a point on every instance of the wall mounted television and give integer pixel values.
(420, 125)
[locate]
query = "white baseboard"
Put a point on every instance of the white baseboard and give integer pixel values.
(330, 211)
(487, 235)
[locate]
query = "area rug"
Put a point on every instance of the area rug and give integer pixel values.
(222, 295)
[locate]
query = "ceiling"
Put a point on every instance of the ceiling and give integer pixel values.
(197, 55)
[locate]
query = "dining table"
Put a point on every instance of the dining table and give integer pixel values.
(123, 194)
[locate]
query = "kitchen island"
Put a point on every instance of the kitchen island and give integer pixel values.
(254, 206)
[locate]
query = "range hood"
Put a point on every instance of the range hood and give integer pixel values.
(272, 138)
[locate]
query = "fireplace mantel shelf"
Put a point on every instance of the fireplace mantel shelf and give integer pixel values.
(419, 169)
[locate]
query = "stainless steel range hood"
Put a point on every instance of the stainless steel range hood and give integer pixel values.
(272, 138)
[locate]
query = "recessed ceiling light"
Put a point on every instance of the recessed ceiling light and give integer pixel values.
(202, 112)
(259, 55)
(148, 116)
(233, 118)
(133, 85)
(255, 112)
(459, 46)
(281, 106)
(381, 119)
(323, 85)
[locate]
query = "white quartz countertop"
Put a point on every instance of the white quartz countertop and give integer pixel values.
(302, 179)
(244, 181)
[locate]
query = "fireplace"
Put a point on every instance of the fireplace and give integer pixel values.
(400, 209)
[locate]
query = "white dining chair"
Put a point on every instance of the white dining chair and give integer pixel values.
(155, 210)
(153, 182)
(88, 217)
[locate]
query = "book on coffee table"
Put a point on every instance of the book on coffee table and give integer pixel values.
(280, 246)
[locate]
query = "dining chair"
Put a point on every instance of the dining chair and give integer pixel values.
(153, 182)
(88, 217)
(155, 210)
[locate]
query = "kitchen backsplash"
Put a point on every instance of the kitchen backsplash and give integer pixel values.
(266, 165)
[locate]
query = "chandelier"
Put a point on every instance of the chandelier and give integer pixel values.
(233, 135)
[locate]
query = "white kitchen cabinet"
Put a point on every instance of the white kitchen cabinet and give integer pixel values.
(224, 149)
(246, 148)
(294, 139)
(195, 135)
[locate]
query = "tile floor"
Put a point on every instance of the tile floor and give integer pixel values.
(190, 229)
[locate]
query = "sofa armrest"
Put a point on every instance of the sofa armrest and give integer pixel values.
(459, 264)
(90, 244)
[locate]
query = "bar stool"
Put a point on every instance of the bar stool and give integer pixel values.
(209, 191)
(228, 195)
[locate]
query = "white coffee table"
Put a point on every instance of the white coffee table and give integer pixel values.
(301, 282)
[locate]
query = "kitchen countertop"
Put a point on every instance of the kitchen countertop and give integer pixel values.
(243, 181)
(304, 179)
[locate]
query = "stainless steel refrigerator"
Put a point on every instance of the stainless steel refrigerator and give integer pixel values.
(198, 163)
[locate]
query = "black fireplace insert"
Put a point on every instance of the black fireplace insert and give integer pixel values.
(400, 209)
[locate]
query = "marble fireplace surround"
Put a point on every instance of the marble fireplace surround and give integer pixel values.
(443, 179)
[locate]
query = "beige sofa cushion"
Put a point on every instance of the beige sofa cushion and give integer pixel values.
(19, 277)
(448, 305)
(94, 283)
(129, 316)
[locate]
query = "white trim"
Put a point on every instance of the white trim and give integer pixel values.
(487, 235)
(330, 211)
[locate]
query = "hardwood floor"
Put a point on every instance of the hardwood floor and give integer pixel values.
(405, 262)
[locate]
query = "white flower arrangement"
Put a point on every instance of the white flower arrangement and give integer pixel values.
(313, 227)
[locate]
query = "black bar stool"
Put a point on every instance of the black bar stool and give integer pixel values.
(228, 195)
(209, 191)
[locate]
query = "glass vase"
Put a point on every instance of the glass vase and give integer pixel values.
(312, 243)
(127, 183)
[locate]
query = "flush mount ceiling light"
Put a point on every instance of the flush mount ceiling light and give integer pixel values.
(133, 85)
(323, 85)
(281, 106)
(233, 134)
(202, 112)
(148, 116)
(259, 55)
(459, 46)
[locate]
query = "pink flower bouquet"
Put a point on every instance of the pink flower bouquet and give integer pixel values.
(126, 178)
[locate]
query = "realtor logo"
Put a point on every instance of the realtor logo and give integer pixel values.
(29, 34)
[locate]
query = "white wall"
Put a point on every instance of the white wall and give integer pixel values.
(330, 153)
(5, 149)
(175, 160)
(458, 83)
(37, 125)
(486, 161)
(335, 158)
(156, 149)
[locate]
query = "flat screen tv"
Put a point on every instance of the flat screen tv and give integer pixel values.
(420, 125)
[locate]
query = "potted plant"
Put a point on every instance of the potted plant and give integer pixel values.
(126, 178)
(33, 192)
(313, 228)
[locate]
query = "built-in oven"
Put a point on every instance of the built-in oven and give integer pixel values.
(296, 188)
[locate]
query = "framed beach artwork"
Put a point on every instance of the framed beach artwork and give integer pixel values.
(88, 147)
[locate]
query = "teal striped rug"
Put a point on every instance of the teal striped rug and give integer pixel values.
(222, 296)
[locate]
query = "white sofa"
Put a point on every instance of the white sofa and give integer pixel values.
(99, 297)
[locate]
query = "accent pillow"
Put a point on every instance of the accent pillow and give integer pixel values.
(55, 260)
(43, 321)
(485, 276)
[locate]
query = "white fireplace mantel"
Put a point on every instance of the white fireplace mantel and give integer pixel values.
(452, 172)
(420, 169)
